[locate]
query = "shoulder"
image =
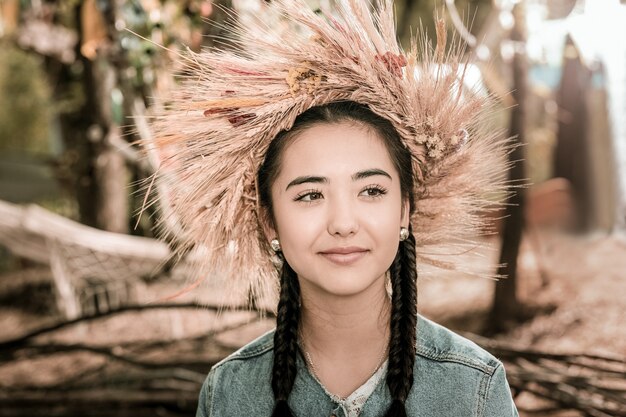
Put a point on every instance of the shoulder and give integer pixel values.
(447, 366)
(437, 343)
(245, 373)
(248, 364)
(258, 348)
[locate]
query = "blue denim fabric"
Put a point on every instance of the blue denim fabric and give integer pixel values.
(453, 377)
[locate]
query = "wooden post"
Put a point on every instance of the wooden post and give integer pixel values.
(110, 176)
(506, 307)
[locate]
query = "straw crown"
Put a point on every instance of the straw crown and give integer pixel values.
(213, 135)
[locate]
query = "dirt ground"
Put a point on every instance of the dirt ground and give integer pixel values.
(575, 284)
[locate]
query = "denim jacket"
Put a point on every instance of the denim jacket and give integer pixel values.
(452, 377)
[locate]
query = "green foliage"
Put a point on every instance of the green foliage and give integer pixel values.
(25, 102)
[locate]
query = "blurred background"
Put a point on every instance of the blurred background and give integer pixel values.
(96, 318)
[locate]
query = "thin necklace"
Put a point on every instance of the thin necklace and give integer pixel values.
(313, 369)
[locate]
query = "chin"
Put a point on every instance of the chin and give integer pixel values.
(349, 284)
(344, 291)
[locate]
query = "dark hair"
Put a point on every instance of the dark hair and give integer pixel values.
(402, 271)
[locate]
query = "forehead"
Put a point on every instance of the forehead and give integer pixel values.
(335, 149)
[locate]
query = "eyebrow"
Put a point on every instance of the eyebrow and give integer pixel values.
(323, 180)
(369, 173)
(307, 179)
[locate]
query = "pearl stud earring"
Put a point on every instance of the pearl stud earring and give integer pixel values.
(275, 244)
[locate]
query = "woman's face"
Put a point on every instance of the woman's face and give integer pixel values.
(338, 208)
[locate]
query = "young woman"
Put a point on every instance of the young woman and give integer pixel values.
(337, 195)
(325, 160)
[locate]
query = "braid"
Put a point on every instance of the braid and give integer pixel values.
(286, 340)
(403, 322)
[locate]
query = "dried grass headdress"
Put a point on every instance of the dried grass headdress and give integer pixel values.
(213, 134)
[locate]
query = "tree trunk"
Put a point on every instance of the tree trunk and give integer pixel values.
(506, 306)
(572, 149)
(101, 87)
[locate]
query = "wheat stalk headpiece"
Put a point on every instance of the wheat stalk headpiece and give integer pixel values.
(213, 134)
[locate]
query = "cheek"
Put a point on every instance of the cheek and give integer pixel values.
(297, 227)
(386, 230)
(385, 218)
(297, 238)
(383, 226)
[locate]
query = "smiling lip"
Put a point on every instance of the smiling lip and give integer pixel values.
(344, 256)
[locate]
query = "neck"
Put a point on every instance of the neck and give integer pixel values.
(339, 326)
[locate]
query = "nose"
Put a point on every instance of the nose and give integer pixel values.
(342, 217)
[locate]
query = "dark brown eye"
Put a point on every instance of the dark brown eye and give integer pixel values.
(374, 191)
(309, 196)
